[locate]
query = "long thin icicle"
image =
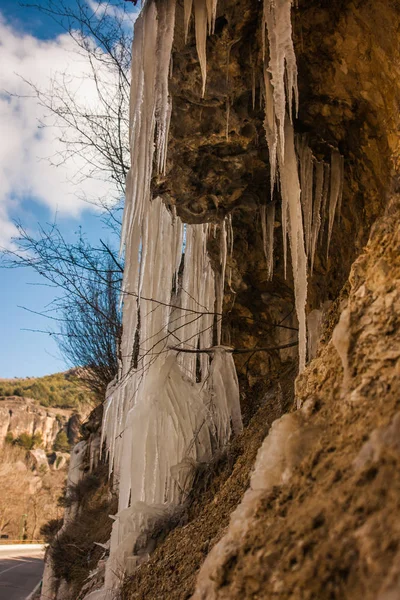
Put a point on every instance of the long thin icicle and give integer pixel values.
(282, 61)
(335, 190)
(200, 11)
(291, 196)
(306, 160)
(316, 221)
(187, 11)
(268, 225)
(205, 12)
(299, 205)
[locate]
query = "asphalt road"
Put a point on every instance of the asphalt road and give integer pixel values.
(21, 569)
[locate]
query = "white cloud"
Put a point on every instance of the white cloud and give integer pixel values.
(25, 147)
(126, 15)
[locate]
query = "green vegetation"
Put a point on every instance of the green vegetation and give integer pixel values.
(9, 438)
(25, 440)
(61, 390)
(61, 443)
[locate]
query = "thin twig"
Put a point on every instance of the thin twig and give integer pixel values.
(234, 350)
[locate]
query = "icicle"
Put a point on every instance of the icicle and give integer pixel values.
(316, 221)
(306, 161)
(339, 206)
(200, 11)
(282, 61)
(187, 14)
(211, 14)
(225, 394)
(270, 127)
(325, 193)
(166, 24)
(268, 225)
(262, 92)
(229, 229)
(336, 188)
(197, 295)
(291, 198)
(220, 283)
(205, 12)
(150, 108)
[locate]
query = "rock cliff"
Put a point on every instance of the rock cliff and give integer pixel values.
(318, 518)
(25, 415)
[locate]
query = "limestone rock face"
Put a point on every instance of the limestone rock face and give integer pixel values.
(23, 415)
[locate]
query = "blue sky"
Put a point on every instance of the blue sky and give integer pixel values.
(32, 191)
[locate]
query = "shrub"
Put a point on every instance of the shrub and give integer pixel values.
(49, 530)
(61, 443)
(9, 438)
(37, 440)
(75, 553)
(29, 442)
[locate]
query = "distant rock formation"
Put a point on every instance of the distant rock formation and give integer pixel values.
(24, 415)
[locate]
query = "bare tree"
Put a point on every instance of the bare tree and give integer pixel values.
(102, 34)
(86, 312)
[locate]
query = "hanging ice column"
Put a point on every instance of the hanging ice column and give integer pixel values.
(298, 202)
(280, 79)
(167, 410)
(205, 12)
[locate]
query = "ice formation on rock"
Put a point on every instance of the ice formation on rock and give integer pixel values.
(280, 80)
(282, 65)
(316, 209)
(336, 190)
(291, 211)
(168, 409)
(321, 193)
(268, 229)
(166, 390)
(301, 177)
(205, 12)
(306, 167)
(188, 402)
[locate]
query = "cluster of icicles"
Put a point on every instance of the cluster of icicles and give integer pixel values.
(168, 410)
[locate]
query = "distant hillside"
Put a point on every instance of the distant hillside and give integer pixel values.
(61, 390)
